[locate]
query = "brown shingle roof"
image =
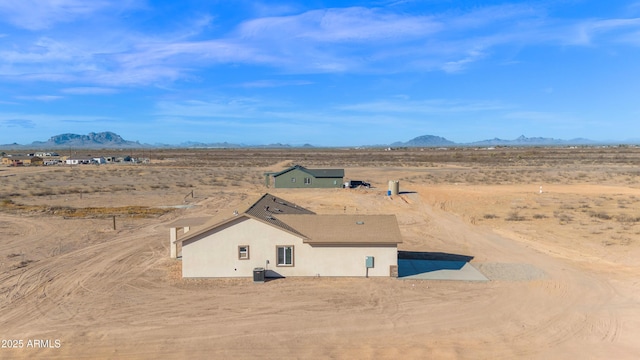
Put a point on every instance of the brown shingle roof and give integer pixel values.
(346, 229)
(313, 228)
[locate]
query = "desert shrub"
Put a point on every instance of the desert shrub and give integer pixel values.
(23, 263)
(539, 216)
(43, 192)
(600, 215)
(563, 217)
(515, 216)
(626, 218)
(159, 186)
(490, 216)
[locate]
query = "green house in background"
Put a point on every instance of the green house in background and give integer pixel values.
(300, 177)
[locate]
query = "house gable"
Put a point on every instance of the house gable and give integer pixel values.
(215, 253)
(267, 210)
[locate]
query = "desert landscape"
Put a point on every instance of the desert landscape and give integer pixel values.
(85, 269)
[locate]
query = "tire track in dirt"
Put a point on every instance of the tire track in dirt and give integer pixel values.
(76, 279)
(555, 318)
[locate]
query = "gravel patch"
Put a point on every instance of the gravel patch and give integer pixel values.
(510, 272)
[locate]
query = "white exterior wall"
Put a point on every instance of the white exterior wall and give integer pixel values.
(344, 260)
(215, 254)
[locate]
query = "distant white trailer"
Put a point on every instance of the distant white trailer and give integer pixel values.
(99, 160)
(78, 160)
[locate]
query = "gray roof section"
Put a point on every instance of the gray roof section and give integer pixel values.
(317, 173)
(265, 210)
(272, 205)
(269, 208)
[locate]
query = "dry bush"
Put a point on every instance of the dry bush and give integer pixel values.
(626, 218)
(88, 212)
(564, 218)
(600, 215)
(515, 216)
(22, 264)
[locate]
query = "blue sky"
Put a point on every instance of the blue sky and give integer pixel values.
(321, 72)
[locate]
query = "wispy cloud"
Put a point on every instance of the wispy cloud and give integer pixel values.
(431, 106)
(42, 14)
(349, 25)
(546, 120)
(459, 65)
(274, 83)
(587, 31)
(335, 40)
(49, 119)
(89, 91)
(21, 123)
(237, 108)
(40, 97)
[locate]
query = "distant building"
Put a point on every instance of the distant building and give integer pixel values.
(20, 160)
(300, 177)
(78, 160)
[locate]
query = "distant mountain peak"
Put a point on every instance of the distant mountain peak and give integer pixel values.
(425, 140)
(102, 138)
(522, 140)
(106, 139)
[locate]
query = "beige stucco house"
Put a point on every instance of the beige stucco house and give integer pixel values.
(288, 240)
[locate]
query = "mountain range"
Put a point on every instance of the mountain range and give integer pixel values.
(102, 140)
(110, 140)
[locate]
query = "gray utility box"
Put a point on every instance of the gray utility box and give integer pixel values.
(369, 262)
(258, 275)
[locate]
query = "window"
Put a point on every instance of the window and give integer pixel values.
(307, 181)
(285, 255)
(243, 252)
(293, 180)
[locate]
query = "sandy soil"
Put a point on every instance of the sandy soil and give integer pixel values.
(563, 265)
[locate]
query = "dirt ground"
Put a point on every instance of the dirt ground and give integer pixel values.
(558, 239)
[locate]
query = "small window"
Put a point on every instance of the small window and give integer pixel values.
(285, 255)
(243, 252)
(307, 181)
(293, 180)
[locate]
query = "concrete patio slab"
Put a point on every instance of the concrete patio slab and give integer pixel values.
(438, 270)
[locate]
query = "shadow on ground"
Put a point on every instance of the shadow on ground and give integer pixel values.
(417, 262)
